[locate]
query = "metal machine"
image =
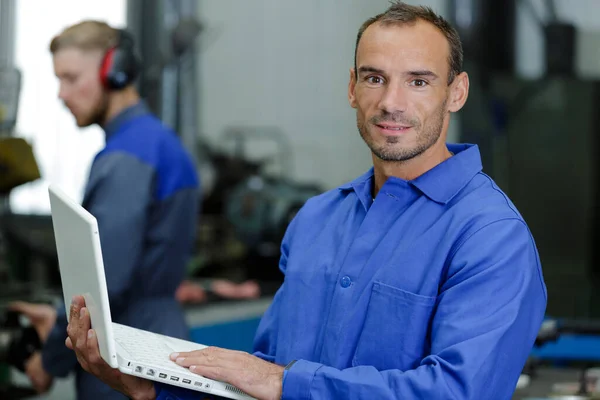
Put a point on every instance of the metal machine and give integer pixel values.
(18, 340)
(249, 207)
(546, 160)
(261, 206)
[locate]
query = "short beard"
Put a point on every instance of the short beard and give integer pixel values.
(427, 136)
(99, 113)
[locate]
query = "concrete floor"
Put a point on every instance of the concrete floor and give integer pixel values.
(541, 386)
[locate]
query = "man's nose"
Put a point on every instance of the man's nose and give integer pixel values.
(62, 93)
(394, 99)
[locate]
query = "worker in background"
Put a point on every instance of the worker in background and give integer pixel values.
(417, 280)
(143, 189)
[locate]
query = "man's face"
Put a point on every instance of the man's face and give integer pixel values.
(78, 72)
(400, 90)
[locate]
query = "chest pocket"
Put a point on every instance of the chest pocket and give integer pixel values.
(394, 335)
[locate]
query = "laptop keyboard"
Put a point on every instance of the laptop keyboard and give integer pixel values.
(145, 347)
(153, 350)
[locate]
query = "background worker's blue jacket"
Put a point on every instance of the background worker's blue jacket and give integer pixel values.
(143, 189)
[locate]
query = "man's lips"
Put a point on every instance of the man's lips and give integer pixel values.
(393, 129)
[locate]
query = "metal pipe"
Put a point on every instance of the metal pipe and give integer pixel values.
(552, 13)
(7, 33)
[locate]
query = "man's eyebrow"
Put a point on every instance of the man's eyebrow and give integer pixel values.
(422, 73)
(368, 69)
(416, 73)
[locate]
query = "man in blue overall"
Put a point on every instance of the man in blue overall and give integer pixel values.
(143, 189)
(417, 280)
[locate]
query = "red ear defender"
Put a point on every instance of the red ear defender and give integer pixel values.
(107, 63)
(120, 66)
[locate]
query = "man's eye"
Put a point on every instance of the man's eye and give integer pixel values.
(376, 80)
(419, 83)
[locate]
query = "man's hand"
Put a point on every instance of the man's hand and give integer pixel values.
(231, 290)
(84, 342)
(190, 292)
(42, 316)
(40, 379)
(256, 377)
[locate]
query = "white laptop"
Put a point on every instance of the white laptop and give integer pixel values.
(133, 351)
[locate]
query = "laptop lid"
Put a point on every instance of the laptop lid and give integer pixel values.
(81, 266)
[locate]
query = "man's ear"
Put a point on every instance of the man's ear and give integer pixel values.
(351, 88)
(459, 91)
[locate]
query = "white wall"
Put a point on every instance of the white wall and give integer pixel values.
(286, 64)
(63, 151)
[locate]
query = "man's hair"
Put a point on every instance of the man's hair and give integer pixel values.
(400, 13)
(86, 35)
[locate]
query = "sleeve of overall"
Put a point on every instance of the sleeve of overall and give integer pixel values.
(57, 359)
(489, 310)
(118, 195)
(265, 340)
